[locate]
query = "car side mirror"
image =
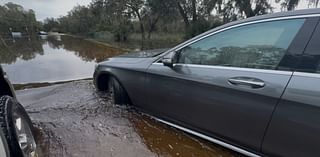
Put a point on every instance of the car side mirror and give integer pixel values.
(170, 59)
(167, 62)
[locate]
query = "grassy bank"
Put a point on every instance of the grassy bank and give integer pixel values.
(135, 42)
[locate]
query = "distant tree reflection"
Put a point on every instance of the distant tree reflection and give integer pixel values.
(23, 48)
(28, 48)
(87, 50)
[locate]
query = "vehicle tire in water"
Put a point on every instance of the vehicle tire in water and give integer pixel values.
(4, 148)
(118, 93)
(17, 128)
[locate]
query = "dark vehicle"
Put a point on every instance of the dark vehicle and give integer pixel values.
(15, 125)
(252, 86)
(42, 33)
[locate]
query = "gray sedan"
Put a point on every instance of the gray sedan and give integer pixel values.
(252, 86)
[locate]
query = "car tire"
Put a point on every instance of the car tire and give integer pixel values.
(4, 148)
(17, 128)
(119, 95)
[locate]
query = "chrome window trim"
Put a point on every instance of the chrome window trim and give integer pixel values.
(187, 43)
(211, 139)
(305, 74)
(233, 68)
(183, 45)
(242, 24)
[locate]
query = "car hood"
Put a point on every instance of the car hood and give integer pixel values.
(142, 57)
(143, 54)
(133, 60)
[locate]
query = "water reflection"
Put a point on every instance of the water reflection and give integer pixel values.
(163, 141)
(51, 58)
(20, 48)
(88, 50)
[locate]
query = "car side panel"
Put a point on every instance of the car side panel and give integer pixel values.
(132, 81)
(295, 126)
(204, 99)
(131, 75)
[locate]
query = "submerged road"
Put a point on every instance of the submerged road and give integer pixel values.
(73, 120)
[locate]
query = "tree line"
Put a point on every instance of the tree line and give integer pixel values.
(14, 18)
(190, 17)
(144, 17)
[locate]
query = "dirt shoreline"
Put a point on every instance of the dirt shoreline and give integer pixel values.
(73, 120)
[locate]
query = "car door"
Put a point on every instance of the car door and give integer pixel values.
(227, 84)
(295, 126)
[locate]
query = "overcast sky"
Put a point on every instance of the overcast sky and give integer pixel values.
(48, 8)
(57, 8)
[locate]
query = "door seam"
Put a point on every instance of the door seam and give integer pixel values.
(274, 109)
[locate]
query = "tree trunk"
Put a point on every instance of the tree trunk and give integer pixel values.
(153, 26)
(247, 8)
(194, 11)
(3, 42)
(141, 25)
(183, 14)
(292, 4)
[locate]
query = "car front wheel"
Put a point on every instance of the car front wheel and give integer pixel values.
(119, 95)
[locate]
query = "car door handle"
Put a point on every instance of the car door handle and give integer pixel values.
(247, 81)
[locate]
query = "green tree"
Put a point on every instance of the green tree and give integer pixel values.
(288, 4)
(292, 4)
(50, 24)
(15, 18)
(195, 14)
(156, 10)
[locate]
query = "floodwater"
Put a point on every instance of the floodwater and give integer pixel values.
(51, 58)
(73, 120)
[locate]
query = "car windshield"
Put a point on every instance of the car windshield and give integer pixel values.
(52, 51)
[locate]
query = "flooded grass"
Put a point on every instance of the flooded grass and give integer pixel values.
(38, 85)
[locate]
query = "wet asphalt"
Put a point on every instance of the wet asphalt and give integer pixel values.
(74, 120)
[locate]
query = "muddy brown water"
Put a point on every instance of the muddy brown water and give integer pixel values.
(72, 119)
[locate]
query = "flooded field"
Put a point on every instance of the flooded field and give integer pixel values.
(72, 119)
(52, 58)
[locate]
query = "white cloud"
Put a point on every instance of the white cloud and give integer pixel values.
(48, 8)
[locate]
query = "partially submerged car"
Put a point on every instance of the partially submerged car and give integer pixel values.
(250, 85)
(16, 130)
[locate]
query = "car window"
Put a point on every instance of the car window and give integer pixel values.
(310, 61)
(259, 46)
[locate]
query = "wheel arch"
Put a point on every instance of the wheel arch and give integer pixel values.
(102, 79)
